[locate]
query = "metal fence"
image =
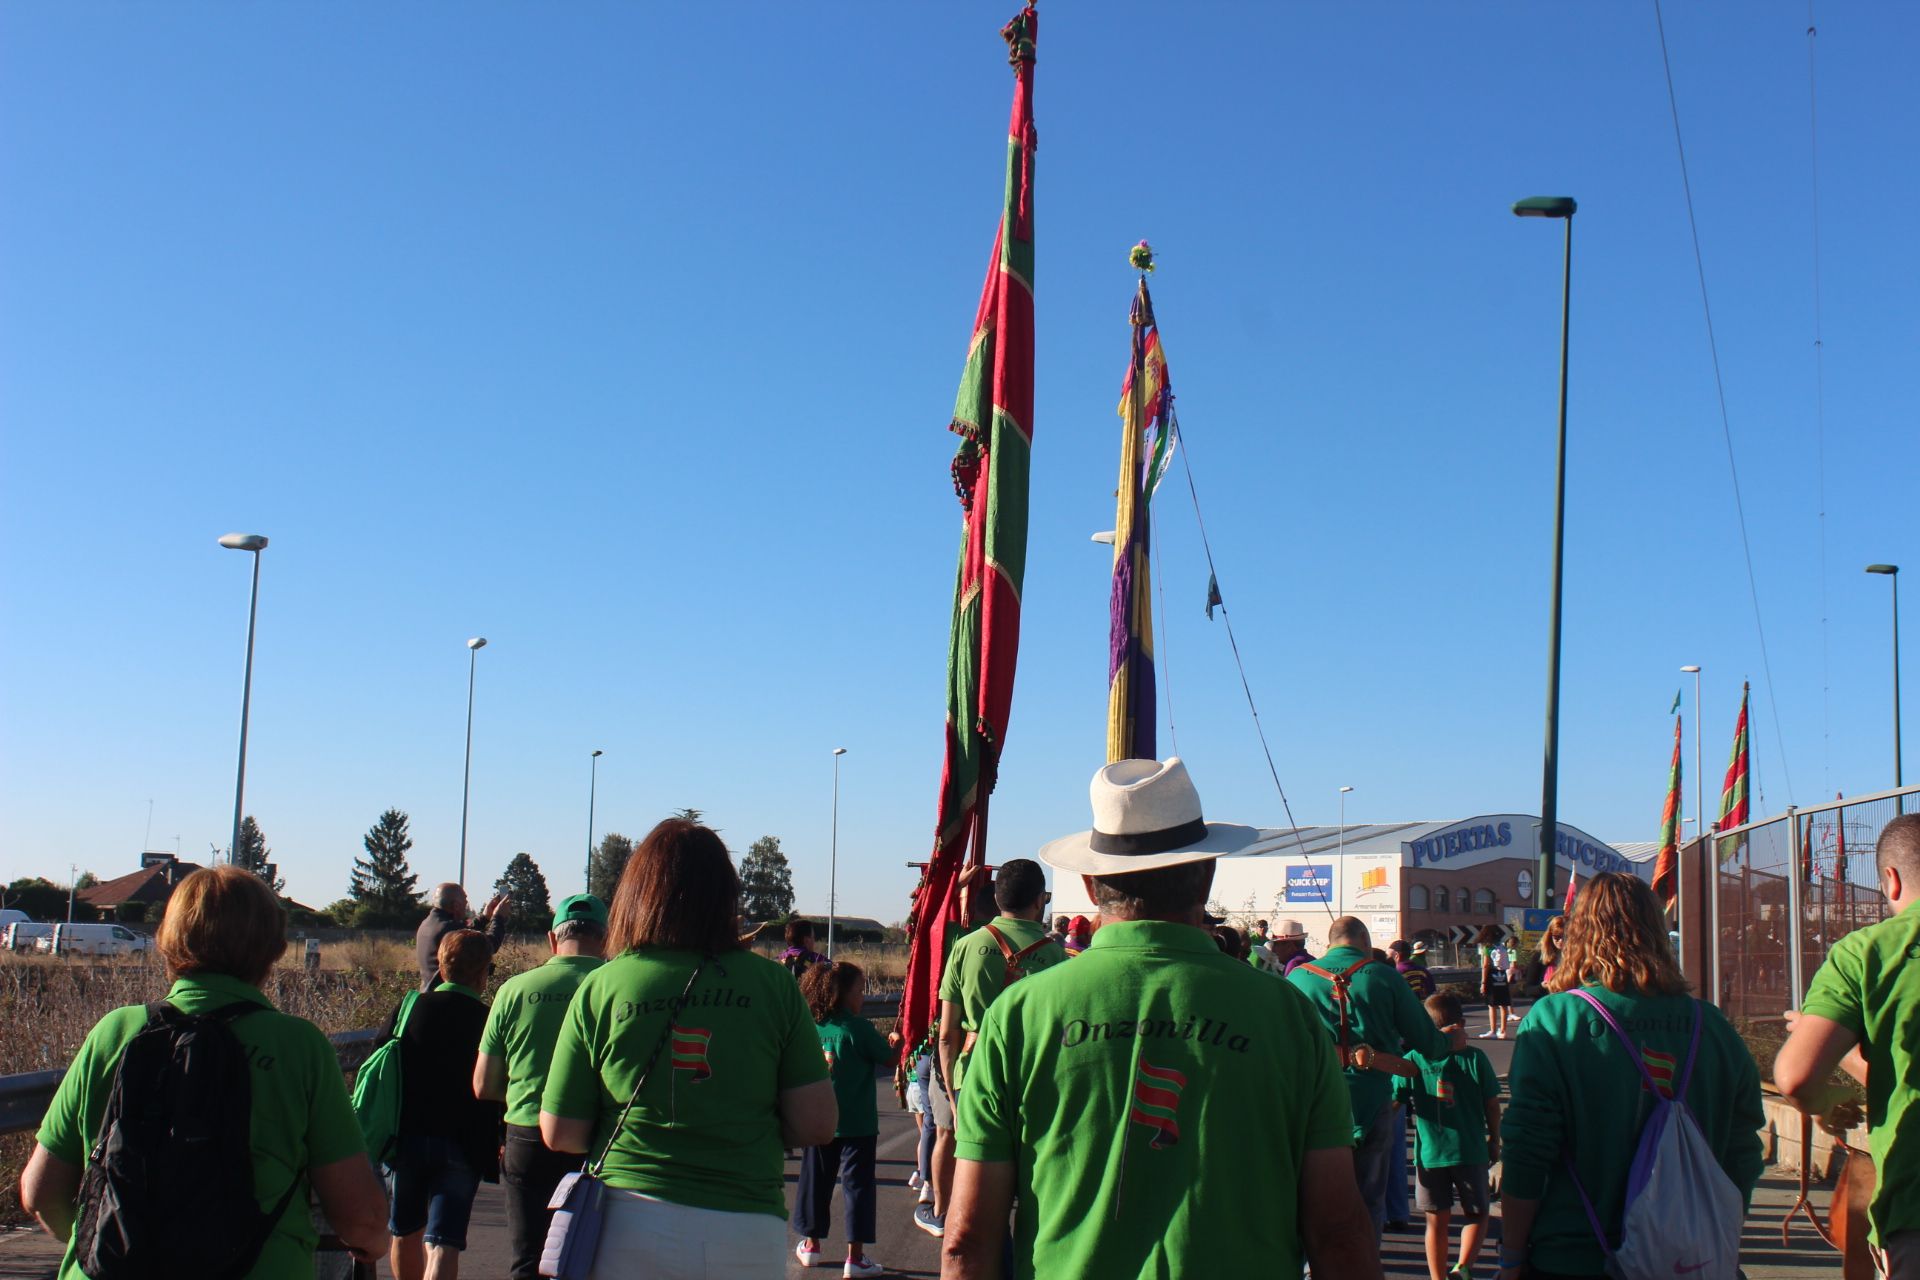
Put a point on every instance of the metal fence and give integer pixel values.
(1787, 888)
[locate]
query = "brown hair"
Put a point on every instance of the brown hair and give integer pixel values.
(828, 985)
(1161, 893)
(465, 955)
(1899, 846)
(679, 891)
(1444, 1009)
(1617, 936)
(796, 930)
(223, 920)
(1553, 940)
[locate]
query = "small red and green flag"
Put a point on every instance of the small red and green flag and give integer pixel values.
(1666, 866)
(1663, 1067)
(1156, 1102)
(993, 416)
(689, 1048)
(1733, 792)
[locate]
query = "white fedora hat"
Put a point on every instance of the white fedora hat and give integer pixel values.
(1146, 815)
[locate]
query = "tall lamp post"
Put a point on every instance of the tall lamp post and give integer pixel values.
(1561, 207)
(474, 646)
(1892, 572)
(1699, 778)
(593, 786)
(1344, 793)
(256, 543)
(833, 856)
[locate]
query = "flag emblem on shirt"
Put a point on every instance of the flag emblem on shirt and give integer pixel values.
(1443, 1090)
(690, 1052)
(1663, 1067)
(1156, 1102)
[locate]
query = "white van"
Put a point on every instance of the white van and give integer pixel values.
(92, 940)
(22, 935)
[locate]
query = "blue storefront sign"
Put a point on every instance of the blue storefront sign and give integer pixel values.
(1310, 883)
(1536, 919)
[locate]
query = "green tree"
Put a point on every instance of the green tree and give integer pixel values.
(42, 899)
(383, 886)
(691, 815)
(253, 854)
(608, 861)
(766, 881)
(86, 881)
(530, 909)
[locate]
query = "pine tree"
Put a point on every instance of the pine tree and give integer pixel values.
(526, 889)
(609, 860)
(253, 854)
(382, 883)
(766, 881)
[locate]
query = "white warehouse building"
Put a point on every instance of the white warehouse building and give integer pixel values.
(1412, 880)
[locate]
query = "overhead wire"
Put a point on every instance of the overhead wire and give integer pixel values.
(1720, 389)
(1206, 546)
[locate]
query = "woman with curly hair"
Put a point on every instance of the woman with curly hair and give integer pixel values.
(855, 1053)
(1580, 1098)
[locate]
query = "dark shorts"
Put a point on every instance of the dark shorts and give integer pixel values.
(1438, 1190)
(431, 1185)
(1499, 996)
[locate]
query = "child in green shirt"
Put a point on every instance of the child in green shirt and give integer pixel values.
(1455, 1103)
(855, 1053)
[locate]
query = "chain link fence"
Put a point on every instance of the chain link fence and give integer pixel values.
(1788, 888)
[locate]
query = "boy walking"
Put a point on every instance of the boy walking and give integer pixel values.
(1455, 1104)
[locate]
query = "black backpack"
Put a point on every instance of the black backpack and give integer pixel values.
(168, 1187)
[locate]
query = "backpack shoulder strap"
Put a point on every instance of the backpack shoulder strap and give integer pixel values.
(1693, 1052)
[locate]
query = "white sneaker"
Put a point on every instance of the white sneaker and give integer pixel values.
(1487, 1035)
(926, 1195)
(809, 1254)
(915, 1181)
(865, 1267)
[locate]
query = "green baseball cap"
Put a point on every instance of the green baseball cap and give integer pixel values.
(581, 906)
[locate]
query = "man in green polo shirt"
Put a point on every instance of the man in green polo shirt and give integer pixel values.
(1114, 1095)
(1379, 1015)
(515, 1051)
(1859, 1015)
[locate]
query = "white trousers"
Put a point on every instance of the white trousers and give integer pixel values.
(642, 1236)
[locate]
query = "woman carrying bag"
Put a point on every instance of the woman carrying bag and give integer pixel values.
(686, 1066)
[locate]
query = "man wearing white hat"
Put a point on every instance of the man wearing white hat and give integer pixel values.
(1287, 949)
(1111, 1094)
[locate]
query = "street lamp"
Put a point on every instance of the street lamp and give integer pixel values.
(1699, 728)
(256, 543)
(1892, 572)
(474, 646)
(1344, 792)
(593, 785)
(1561, 207)
(833, 856)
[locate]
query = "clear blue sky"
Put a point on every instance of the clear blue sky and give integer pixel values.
(627, 336)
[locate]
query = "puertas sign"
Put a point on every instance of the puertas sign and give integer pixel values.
(1477, 841)
(1310, 882)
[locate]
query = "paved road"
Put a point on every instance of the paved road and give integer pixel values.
(907, 1251)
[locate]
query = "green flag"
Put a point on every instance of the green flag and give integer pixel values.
(1674, 710)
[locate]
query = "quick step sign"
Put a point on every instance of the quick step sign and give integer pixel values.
(1312, 882)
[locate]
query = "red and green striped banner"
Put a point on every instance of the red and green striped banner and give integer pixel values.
(1666, 867)
(689, 1049)
(1156, 1102)
(993, 416)
(1733, 792)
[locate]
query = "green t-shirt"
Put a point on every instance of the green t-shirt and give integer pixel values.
(523, 1025)
(301, 1116)
(1123, 1088)
(1871, 986)
(976, 971)
(1574, 1091)
(706, 1130)
(855, 1052)
(1448, 1101)
(1384, 1013)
